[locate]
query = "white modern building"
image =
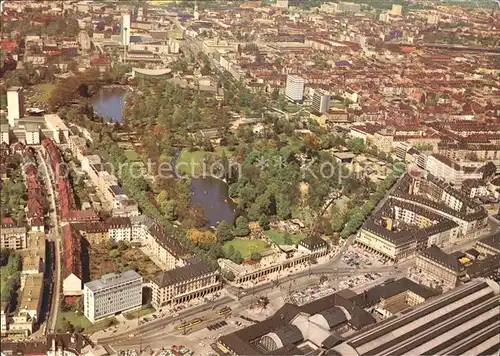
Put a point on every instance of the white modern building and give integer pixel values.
(112, 294)
(15, 105)
(321, 101)
(125, 26)
(294, 90)
(452, 172)
(55, 124)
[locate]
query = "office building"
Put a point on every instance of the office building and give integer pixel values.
(112, 294)
(294, 90)
(321, 101)
(15, 105)
(125, 27)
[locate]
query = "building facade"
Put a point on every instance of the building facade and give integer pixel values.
(15, 105)
(440, 267)
(294, 90)
(112, 294)
(13, 237)
(183, 284)
(321, 101)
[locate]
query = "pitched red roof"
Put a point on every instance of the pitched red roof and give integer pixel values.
(72, 252)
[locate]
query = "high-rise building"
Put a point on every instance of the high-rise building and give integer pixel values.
(125, 29)
(396, 10)
(112, 294)
(321, 101)
(294, 90)
(15, 105)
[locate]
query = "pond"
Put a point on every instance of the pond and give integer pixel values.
(109, 103)
(212, 195)
(208, 192)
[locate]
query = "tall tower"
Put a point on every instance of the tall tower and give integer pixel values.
(196, 14)
(15, 105)
(125, 29)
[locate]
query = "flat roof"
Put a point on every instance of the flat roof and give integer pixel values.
(112, 280)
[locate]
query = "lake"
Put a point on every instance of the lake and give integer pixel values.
(109, 103)
(213, 196)
(210, 193)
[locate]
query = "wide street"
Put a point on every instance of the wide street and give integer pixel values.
(55, 231)
(334, 269)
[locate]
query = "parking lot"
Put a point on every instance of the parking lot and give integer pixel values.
(357, 257)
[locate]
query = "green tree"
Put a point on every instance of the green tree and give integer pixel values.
(241, 229)
(255, 256)
(224, 232)
(264, 222)
(356, 145)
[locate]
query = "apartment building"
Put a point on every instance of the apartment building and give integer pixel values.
(420, 213)
(120, 229)
(489, 245)
(112, 294)
(30, 300)
(321, 101)
(167, 249)
(78, 146)
(294, 89)
(183, 284)
(441, 267)
(451, 172)
(13, 237)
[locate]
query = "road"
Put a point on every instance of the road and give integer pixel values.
(148, 333)
(51, 324)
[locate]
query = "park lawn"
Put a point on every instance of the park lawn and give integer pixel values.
(246, 247)
(190, 163)
(279, 238)
(145, 310)
(43, 92)
(77, 319)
